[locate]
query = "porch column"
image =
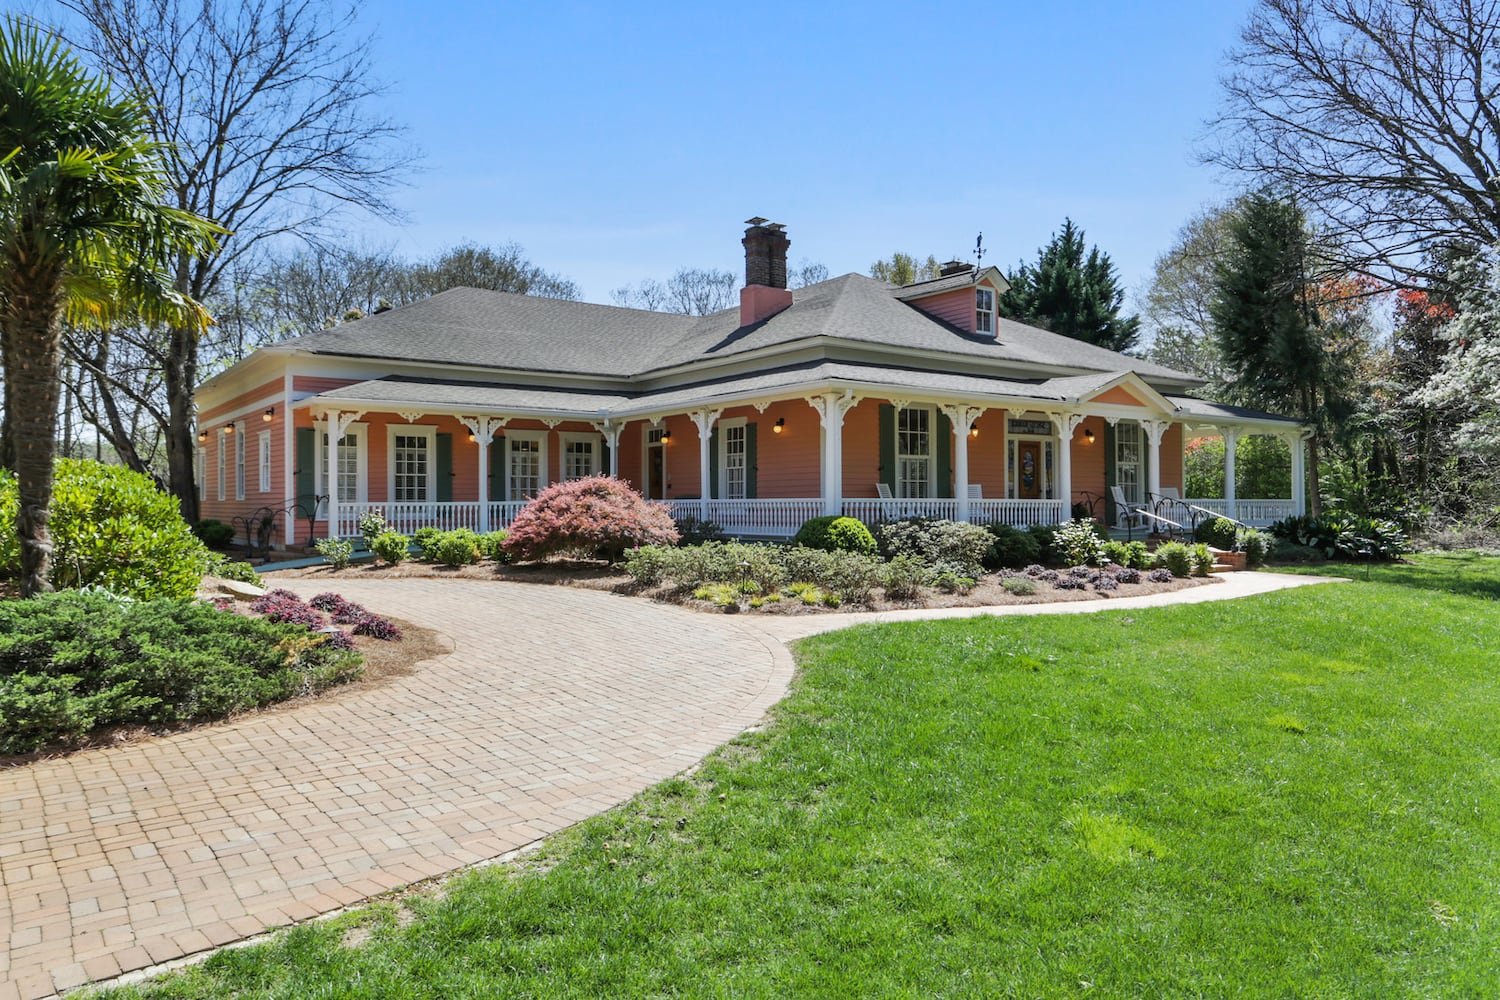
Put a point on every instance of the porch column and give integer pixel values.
(611, 430)
(831, 409)
(704, 421)
(1155, 430)
(1231, 439)
(1065, 424)
(1297, 442)
(962, 417)
(483, 429)
(320, 430)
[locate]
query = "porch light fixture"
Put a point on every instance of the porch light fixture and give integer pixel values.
(270, 413)
(1088, 436)
(974, 432)
(229, 428)
(471, 437)
(203, 437)
(666, 436)
(779, 426)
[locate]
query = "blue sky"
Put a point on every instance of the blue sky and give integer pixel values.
(622, 141)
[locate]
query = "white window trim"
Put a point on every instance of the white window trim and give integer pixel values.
(932, 447)
(323, 463)
(410, 430)
(984, 290)
(723, 426)
(565, 438)
(239, 459)
(646, 445)
(1140, 459)
(263, 460)
(1013, 457)
(202, 452)
(219, 461)
(542, 481)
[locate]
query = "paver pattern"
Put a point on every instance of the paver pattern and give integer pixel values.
(554, 704)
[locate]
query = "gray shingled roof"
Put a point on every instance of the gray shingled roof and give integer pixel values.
(1207, 409)
(473, 327)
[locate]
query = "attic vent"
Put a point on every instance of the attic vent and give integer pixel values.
(955, 267)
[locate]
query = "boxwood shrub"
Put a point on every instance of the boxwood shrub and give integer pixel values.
(836, 534)
(110, 528)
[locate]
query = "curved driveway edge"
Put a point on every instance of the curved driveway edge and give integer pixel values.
(555, 704)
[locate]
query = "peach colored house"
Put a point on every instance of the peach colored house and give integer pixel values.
(850, 396)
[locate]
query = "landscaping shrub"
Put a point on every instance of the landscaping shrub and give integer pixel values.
(459, 547)
(904, 577)
(214, 534)
(1290, 552)
(1078, 543)
(73, 662)
(1020, 586)
(1131, 554)
(1344, 535)
(836, 534)
(336, 552)
(284, 606)
(950, 581)
(377, 628)
(1162, 575)
(426, 539)
(390, 546)
(492, 546)
(954, 545)
(110, 528)
(1035, 570)
(1174, 557)
(1045, 535)
(1104, 582)
(848, 576)
(1129, 575)
(1203, 559)
(230, 569)
(327, 601)
(596, 516)
(1070, 583)
(694, 530)
(1254, 544)
(371, 526)
(648, 564)
(1012, 548)
(1218, 532)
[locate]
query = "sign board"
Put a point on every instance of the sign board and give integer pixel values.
(1036, 428)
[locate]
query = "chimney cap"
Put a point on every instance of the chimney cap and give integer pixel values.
(954, 267)
(756, 220)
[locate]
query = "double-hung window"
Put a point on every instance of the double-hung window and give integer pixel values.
(914, 451)
(984, 310)
(264, 454)
(411, 460)
(239, 460)
(580, 455)
(222, 453)
(732, 440)
(525, 475)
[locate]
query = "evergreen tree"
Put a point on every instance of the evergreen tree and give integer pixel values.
(1269, 329)
(1072, 293)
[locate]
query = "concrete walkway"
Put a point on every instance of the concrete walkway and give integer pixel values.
(555, 704)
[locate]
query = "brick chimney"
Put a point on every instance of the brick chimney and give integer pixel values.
(765, 293)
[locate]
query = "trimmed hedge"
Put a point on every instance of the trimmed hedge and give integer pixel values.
(833, 533)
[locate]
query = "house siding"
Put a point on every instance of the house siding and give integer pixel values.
(956, 307)
(1088, 463)
(249, 407)
(1120, 396)
(1171, 458)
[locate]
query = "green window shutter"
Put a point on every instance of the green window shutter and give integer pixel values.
(944, 485)
(750, 459)
(713, 464)
(603, 456)
(888, 446)
(497, 469)
(444, 460)
(1109, 473)
(307, 450)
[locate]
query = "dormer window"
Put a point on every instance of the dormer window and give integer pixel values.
(984, 311)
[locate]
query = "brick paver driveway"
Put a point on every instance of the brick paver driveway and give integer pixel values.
(555, 704)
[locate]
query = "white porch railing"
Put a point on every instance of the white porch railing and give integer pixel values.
(1255, 512)
(766, 518)
(877, 511)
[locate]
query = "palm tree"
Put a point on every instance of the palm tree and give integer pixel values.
(84, 235)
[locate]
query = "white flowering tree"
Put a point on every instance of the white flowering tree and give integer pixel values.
(1469, 380)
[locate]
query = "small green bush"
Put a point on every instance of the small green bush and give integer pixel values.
(1203, 559)
(1019, 586)
(1283, 551)
(955, 545)
(371, 526)
(1078, 543)
(459, 547)
(1012, 548)
(904, 577)
(492, 546)
(694, 530)
(1254, 544)
(110, 528)
(836, 534)
(1131, 555)
(336, 552)
(229, 569)
(426, 541)
(1218, 532)
(649, 564)
(1175, 557)
(215, 534)
(1045, 535)
(390, 546)
(71, 663)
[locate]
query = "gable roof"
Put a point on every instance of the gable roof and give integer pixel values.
(947, 283)
(500, 330)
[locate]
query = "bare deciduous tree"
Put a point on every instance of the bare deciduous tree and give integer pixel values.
(1382, 116)
(267, 104)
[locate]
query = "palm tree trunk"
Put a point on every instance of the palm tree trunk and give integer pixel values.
(32, 328)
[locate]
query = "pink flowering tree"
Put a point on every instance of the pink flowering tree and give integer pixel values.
(599, 516)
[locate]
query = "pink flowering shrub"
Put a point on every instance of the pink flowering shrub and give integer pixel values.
(595, 516)
(285, 606)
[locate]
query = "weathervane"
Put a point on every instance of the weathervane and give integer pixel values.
(979, 251)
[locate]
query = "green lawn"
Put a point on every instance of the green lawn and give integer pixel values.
(1296, 795)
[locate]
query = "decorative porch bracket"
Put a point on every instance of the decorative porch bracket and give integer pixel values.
(1231, 436)
(1155, 430)
(704, 420)
(483, 429)
(611, 430)
(831, 408)
(962, 418)
(336, 424)
(1066, 424)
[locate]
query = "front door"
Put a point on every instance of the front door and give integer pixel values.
(656, 472)
(1029, 470)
